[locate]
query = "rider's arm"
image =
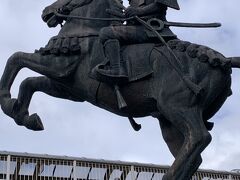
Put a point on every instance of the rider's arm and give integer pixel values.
(152, 8)
(75, 4)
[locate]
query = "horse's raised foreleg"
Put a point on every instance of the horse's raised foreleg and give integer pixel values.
(11, 69)
(19, 60)
(189, 123)
(14, 64)
(19, 110)
(174, 140)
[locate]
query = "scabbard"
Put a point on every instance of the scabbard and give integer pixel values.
(192, 25)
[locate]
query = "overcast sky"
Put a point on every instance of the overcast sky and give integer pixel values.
(80, 129)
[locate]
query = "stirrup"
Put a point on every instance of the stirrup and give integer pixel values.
(103, 76)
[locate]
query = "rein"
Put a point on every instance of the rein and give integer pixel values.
(93, 19)
(161, 24)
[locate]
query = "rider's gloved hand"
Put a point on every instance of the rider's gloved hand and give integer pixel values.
(131, 11)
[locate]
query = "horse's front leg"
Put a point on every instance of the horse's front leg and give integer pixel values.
(28, 87)
(15, 63)
(12, 68)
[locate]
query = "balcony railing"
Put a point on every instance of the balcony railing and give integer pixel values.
(24, 166)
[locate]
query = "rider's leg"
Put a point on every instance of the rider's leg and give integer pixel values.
(125, 34)
(112, 53)
(111, 47)
(110, 37)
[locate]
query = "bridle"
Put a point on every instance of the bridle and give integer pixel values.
(92, 18)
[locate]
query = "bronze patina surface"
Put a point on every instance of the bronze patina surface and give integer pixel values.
(127, 69)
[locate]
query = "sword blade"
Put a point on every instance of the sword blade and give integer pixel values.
(193, 25)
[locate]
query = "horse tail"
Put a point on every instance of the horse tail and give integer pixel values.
(235, 62)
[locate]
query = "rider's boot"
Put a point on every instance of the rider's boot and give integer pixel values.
(115, 72)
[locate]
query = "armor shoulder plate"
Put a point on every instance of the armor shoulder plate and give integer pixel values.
(169, 3)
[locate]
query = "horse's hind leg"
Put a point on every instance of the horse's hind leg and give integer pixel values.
(189, 123)
(19, 111)
(174, 140)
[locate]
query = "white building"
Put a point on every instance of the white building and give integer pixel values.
(25, 166)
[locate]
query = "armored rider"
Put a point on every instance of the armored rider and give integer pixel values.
(111, 37)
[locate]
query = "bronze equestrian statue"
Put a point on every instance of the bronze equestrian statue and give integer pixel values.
(180, 83)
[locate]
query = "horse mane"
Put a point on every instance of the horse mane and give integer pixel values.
(201, 53)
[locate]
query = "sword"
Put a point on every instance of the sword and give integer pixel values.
(158, 24)
(192, 25)
(175, 24)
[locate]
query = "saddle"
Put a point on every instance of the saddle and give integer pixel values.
(135, 58)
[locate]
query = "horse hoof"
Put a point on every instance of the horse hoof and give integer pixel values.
(34, 123)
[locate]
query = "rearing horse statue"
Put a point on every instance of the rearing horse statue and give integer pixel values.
(183, 115)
